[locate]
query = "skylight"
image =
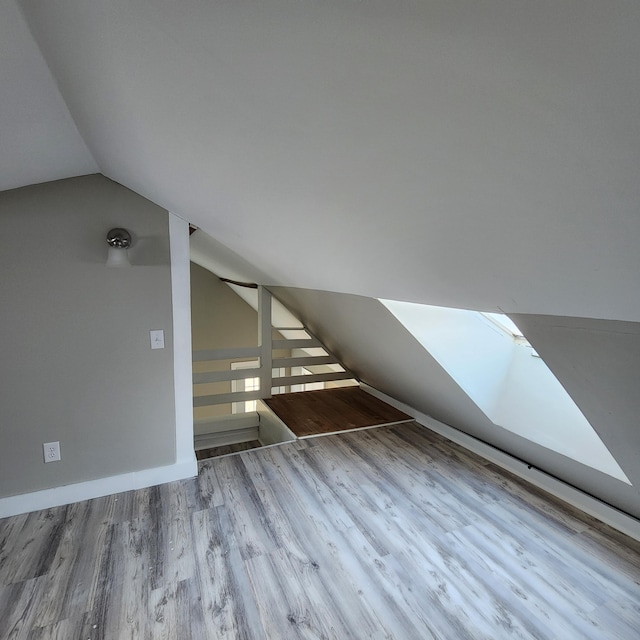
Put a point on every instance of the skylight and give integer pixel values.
(489, 358)
(505, 323)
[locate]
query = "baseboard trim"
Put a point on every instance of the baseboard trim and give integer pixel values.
(220, 424)
(58, 496)
(223, 438)
(593, 506)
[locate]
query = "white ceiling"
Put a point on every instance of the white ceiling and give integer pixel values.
(38, 138)
(460, 153)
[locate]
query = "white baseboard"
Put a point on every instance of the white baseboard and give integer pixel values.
(226, 437)
(47, 498)
(220, 424)
(583, 501)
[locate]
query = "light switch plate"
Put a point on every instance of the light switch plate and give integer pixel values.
(157, 339)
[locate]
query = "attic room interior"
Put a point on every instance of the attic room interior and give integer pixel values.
(434, 203)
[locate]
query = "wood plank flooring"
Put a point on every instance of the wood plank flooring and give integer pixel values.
(226, 449)
(389, 533)
(310, 413)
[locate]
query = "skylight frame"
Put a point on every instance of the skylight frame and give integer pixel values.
(506, 325)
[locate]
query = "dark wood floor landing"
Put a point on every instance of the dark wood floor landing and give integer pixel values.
(311, 413)
(225, 450)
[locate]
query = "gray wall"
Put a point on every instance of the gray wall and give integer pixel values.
(598, 363)
(219, 319)
(381, 352)
(76, 361)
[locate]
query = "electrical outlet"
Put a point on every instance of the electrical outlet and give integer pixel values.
(51, 451)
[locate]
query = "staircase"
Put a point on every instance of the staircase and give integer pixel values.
(286, 359)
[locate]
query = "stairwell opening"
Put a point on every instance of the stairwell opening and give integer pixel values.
(247, 347)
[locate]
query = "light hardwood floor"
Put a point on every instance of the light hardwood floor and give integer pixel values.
(388, 533)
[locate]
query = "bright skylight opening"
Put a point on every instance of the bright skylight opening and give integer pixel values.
(484, 354)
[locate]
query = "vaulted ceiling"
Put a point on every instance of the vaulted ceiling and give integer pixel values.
(477, 155)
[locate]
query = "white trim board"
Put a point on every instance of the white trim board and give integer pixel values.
(226, 437)
(583, 501)
(272, 429)
(58, 496)
(370, 426)
(182, 365)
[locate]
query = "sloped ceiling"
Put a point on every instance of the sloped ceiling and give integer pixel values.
(470, 154)
(39, 141)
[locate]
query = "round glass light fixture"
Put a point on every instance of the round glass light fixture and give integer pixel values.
(119, 241)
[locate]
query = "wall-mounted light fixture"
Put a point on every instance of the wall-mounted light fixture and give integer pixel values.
(119, 241)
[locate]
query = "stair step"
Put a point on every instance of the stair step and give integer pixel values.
(229, 436)
(219, 424)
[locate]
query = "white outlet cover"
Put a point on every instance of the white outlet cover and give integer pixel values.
(157, 338)
(51, 451)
